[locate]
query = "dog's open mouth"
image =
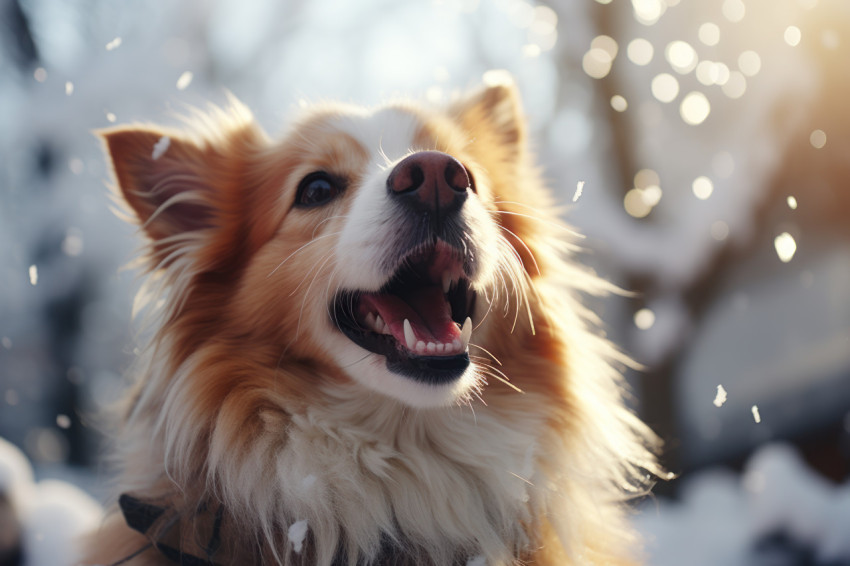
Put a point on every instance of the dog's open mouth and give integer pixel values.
(420, 320)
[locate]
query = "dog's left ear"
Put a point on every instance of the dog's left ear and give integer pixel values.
(494, 116)
(161, 176)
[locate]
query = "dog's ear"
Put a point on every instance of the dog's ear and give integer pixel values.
(161, 177)
(493, 115)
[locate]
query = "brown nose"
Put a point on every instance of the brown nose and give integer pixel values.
(430, 181)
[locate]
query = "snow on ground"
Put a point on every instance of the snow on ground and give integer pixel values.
(776, 513)
(51, 513)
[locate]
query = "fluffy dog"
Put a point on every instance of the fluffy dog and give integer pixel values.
(366, 348)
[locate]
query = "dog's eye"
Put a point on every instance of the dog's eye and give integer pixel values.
(316, 189)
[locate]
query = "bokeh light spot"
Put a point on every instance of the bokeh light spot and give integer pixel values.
(734, 10)
(681, 56)
(665, 87)
(634, 204)
(750, 63)
(619, 103)
(817, 139)
(785, 246)
(702, 187)
(648, 12)
(644, 318)
(719, 230)
(596, 63)
(792, 36)
(709, 34)
(646, 178)
(830, 39)
(695, 108)
(736, 86)
(640, 51)
(605, 43)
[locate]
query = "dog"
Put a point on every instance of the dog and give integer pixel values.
(367, 347)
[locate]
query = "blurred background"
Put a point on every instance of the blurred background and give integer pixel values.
(702, 146)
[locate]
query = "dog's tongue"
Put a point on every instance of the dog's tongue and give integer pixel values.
(427, 310)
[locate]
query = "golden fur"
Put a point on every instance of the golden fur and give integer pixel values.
(238, 401)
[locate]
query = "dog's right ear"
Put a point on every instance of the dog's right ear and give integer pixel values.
(162, 178)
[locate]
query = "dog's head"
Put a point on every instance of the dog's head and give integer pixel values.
(374, 245)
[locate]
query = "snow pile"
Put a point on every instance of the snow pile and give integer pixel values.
(778, 512)
(51, 514)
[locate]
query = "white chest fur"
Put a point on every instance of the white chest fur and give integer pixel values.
(459, 479)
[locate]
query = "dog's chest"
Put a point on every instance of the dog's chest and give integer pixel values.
(458, 477)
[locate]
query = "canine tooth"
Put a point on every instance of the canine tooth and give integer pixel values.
(440, 348)
(420, 347)
(431, 347)
(466, 332)
(370, 321)
(409, 337)
(447, 281)
(379, 323)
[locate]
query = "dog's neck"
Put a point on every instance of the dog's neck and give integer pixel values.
(362, 469)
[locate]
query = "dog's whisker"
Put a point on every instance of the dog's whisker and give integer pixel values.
(316, 265)
(538, 216)
(486, 351)
(493, 371)
(328, 219)
(290, 256)
(330, 256)
(521, 279)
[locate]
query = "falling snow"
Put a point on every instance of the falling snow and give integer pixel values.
(114, 44)
(297, 532)
(33, 272)
(185, 80)
(720, 398)
(160, 147)
(756, 415)
(579, 189)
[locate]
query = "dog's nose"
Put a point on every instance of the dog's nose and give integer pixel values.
(430, 181)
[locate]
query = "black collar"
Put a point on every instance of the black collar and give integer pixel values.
(141, 516)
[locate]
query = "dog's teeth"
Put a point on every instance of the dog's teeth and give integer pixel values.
(420, 347)
(409, 337)
(441, 348)
(370, 321)
(456, 345)
(447, 281)
(379, 323)
(431, 347)
(466, 332)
